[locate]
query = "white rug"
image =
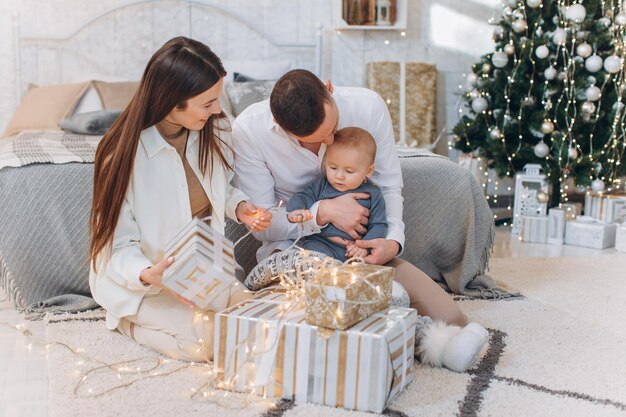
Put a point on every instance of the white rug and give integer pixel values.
(560, 351)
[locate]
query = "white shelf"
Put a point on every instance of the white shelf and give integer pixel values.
(400, 24)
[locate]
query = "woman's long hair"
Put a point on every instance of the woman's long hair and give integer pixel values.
(179, 70)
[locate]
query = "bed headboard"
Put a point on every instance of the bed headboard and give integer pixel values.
(118, 43)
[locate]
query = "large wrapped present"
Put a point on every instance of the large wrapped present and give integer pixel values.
(264, 346)
(590, 233)
(556, 226)
(606, 207)
(534, 229)
(204, 269)
(338, 297)
(620, 238)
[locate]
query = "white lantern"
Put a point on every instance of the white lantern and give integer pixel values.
(383, 12)
(528, 185)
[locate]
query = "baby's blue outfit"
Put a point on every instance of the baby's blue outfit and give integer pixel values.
(321, 190)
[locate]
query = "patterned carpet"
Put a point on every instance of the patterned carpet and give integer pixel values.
(558, 351)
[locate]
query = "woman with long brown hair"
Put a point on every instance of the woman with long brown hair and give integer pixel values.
(167, 159)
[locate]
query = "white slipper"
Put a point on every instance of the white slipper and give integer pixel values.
(461, 352)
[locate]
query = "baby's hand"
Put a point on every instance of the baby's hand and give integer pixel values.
(353, 251)
(299, 216)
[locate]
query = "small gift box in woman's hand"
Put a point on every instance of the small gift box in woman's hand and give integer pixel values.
(338, 297)
(204, 269)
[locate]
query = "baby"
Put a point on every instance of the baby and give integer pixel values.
(349, 165)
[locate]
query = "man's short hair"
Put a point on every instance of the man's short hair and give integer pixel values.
(356, 138)
(297, 102)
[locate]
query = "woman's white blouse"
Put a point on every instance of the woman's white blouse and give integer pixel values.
(156, 208)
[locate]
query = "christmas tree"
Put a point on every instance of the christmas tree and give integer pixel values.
(552, 93)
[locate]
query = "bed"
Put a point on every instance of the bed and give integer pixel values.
(46, 174)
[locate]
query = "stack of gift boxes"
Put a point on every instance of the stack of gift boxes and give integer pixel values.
(332, 339)
(603, 225)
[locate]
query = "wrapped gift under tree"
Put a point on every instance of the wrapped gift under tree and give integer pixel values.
(264, 345)
(344, 295)
(204, 268)
(606, 207)
(590, 233)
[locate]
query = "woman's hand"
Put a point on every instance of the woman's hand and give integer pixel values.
(299, 216)
(256, 219)
(154, 276)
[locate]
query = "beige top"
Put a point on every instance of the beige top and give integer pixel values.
(177, 136)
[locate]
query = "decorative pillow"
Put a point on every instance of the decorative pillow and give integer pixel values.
(91, 123)
(243, 94)
(89, 102)
(116, 95)
(42, 108)
(240, 78)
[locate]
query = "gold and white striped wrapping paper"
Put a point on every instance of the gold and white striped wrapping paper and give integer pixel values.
(608, 208)
(270, 350)
(204, 269)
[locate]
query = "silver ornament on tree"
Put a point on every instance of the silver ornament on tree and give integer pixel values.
(547, 127)
(593, 63)
(479, 104)
(576, 13)
(533, 4)
(474, 93)
(507, 11)
(494, 133)
(597, 185)
(509, 49)
(612, 64)
(572, 153)
(620, 19)
(592, 93)
(559, 36)
(550, 73)
(561, 76)
(584, 50)
(486, 68)
(588, 107)
(541, 149)
(500, 59)
(542, 52)
(520, 25)
(498, 32)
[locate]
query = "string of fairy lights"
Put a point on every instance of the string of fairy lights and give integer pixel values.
(534, 44)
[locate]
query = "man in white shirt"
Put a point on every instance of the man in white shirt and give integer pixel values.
(279, 145)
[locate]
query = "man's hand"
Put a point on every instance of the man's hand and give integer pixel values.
(345, 214)
(256, 219)
(154, 276)
(382, 250)
(299, 216)
(353, 251)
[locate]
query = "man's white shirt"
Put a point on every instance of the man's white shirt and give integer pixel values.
(271, 166)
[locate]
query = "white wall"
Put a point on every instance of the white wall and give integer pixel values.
(449, 33)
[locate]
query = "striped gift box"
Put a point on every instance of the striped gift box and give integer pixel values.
(204, 269)
(264, 346)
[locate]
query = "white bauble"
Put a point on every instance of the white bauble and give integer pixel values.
(500, 59)
(520, 25)
(498, 32)
(576, 13)
(474, 93)
(550, 73)
(479, 104)
(509, 49)
(597, 185)
(486, 68)
(542, 52)
(572, 153)
(533, 4)
(592, 93)
(620, 19)
(471, 78)
(588, 107)
(593, 63)
(547, 127)
(507, 11)
(559, 36)
(512, 3)
(494, 133)
(541, 149)
(561, 76)
(612, 64)
(584, 50)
